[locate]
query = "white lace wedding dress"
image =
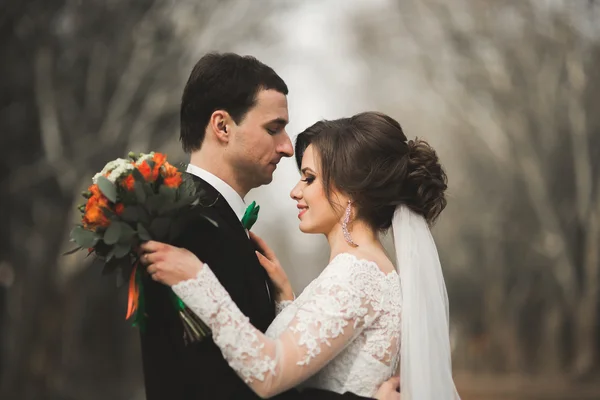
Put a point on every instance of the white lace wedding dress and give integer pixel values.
(342, 333)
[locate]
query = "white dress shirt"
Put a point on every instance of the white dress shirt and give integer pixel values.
(232, 197)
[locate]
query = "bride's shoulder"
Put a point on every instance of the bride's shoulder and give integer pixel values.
(357, 270)
(363, 261)
(351, 272)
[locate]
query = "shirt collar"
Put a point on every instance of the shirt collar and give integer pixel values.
(232, 197)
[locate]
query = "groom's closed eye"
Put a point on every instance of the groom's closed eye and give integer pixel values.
(275, 126)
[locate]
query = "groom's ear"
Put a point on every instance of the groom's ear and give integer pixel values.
(218, 123)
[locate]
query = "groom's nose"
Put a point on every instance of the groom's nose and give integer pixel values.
(284, 145)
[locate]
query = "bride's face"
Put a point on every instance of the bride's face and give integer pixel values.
(315, 212)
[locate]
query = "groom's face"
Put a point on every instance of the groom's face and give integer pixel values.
(260, 140)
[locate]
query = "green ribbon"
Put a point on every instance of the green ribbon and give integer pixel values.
(250, 216)
(177, 302)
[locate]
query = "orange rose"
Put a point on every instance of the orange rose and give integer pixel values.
(169, 170)
(94, 217)
(95, 190)
(119, 207)
(173, 181)
(159, 159)
(128, 182)
(145, 170)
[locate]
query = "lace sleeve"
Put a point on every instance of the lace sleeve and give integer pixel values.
(281, 305)
(336, 312)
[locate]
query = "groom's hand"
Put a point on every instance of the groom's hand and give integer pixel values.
(169, 264)
(389, 389)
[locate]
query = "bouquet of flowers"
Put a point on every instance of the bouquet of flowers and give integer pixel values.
(131, 201)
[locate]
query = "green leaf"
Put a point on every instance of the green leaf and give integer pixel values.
(155, 203)
(75, 250)
(140, 193)
(121, 250)
(110, 254)
(189, 187)
(107, 188)
(127, 233)
(137, 175)
(84, 237)
(143, 233)
(160, 227)
(112, 234)
(169, 194)
(131, 214)
(148, 189)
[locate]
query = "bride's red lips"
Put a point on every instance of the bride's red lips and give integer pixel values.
(301, 209)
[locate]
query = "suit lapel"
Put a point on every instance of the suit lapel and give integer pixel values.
(215, 199)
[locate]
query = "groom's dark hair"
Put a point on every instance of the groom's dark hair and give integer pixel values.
(227, 82)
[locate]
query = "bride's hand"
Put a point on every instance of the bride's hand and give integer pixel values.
(169, 264)
(271, 264)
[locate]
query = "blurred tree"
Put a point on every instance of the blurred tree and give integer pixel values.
(520, 83)
(82, 83)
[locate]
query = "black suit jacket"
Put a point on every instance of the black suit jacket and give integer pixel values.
(174, 370)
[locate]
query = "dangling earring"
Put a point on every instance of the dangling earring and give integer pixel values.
(345, 225)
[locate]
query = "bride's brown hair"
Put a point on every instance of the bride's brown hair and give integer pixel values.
(369, 158)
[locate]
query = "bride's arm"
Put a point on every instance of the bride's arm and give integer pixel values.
(337, 311)
(318, 332)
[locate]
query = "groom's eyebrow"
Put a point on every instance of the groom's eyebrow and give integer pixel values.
(278, 121)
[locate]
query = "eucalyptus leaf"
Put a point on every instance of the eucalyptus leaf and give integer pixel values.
(140, 193)
(131, 214)
(169, 194)
(84, 237)
(112, 234)
(107, 188)
(121, 250)
(148, 189)
(75, 250)
(155, 203)
(110, 254)
(189, 188)
(137, 175)
(143, 233)
(127, 233)
(160, 227)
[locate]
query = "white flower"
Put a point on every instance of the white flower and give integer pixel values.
(144, 157)
(120, 164)
(119, 171)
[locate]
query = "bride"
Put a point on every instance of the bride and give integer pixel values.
(361, 320)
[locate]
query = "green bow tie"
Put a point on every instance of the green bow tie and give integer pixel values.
(250, 216)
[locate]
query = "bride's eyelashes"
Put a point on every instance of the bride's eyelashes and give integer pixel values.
(309, 179)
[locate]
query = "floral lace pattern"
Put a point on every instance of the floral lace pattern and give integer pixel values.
(346, 320)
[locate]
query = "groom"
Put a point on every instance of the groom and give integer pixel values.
(233, 117)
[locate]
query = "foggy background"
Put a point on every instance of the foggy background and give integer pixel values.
(507, 91)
